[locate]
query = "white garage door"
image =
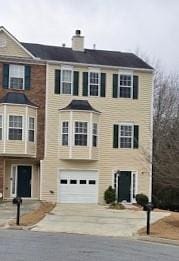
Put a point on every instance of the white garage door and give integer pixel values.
(77, 186)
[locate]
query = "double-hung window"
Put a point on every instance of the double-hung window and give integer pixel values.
(125, 85)
(126, 136)
(16, 76)
(94, 84)
(0, 127)
(15, 127)
(95, 134)
(65, 133)
(31, 129)
(66, 81)
(81, 133)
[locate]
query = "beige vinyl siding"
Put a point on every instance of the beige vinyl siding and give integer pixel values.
(35, 176)
(113, 111)
(12, 49)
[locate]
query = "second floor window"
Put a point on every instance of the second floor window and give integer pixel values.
(31, 129)
(16, 76)
(81, 133)
(15, 127)
(94, 83)
(66, 82)
(125, 88)
(0, 127)
(95, 133)
(65, 133)
(126, 136)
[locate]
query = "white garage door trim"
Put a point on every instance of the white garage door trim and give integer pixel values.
(78, 186)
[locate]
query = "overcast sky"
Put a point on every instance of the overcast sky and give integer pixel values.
(152, 26)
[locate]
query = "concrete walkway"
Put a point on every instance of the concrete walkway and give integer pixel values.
(95, 220)
(8, 210)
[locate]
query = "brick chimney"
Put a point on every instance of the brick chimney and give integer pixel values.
(78, 42)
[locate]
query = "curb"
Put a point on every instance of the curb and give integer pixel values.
(158, 240)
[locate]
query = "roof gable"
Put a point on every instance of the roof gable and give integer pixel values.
(11, 47)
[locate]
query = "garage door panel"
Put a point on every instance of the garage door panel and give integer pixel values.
(77, 187)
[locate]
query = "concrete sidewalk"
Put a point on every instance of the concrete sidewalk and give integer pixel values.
(95, 220)
(8, 210)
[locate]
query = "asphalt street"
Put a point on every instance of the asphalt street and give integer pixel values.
(39, 246)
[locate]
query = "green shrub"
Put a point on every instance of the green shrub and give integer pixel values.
(142, 199)
(169, 198)
(109, 195)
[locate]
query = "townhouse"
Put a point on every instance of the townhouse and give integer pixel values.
(98, 122)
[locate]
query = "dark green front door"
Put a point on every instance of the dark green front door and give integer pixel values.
(124, 186)
(24, 174)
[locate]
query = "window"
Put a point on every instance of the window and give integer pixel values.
(73, 181)
(125, 88)
(65, 133)
(0, 127)
(66, 82)
(95, 132)
(94, 83)
(82, 181)
(63, 181)
(31, 129)
(92, 182)
(16, 76)
(126, 136)
(81, 129)
(15, 127)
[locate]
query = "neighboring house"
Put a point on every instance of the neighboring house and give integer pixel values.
(98, 127)
(22, 118)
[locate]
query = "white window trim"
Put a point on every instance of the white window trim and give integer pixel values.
(98, 71)
(9, 85)
(119, 134)
(64, 133)
(13, 114)
(68, 68)
(31, 129)
(128, 73)
(2, 127)
(88, 134)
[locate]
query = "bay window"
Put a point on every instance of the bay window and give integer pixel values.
(31, 129)
(65, 133)
(95, 133)
(15, 127)
(81, 133)
(0, 127)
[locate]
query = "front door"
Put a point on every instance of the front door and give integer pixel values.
(124, 186)
(24, 175)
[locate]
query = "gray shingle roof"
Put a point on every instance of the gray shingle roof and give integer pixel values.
(82, 105)
(16, 98)
(89, 56)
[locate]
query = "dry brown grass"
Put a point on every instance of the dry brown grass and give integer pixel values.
(167, 227)
(36, 215)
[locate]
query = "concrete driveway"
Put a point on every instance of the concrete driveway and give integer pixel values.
(95, 220)
(8, 210)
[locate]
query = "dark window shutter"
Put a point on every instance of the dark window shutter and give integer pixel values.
(115, 85)
(103, 85)
(27, 77)
(115, 135)
(75, 83)
(136, 137)
(135, 86)
(5, 76)
(57, 81)
(85, 84)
